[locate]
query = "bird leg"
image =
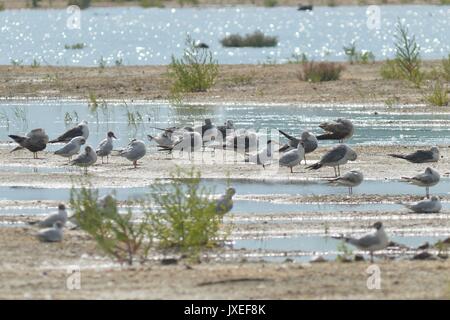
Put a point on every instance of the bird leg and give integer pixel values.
(135, 164)
(428, 192)
(339, 170)
(304, 158)
(107, 159)
(335, 172)
(291, 170)
(371, 256)
(102, 160)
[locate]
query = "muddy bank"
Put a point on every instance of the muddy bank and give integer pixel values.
(236, 83)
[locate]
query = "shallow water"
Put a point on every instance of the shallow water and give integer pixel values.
(388, 127)
(150, 36)
(303, 248)
(370, 187)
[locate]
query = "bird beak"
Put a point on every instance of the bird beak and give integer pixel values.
(114, 136)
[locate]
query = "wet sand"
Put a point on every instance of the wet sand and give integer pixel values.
(236, 84)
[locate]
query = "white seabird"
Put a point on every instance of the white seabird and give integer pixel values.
(86, 159)
(427, 179)
(134, 151)
(106, 146)
(72, 148)
(432, 205)
(53, 234)
(350, 179)
(337, 156)
(292, 158)
(225, 203)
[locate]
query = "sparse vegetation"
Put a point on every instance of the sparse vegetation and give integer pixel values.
(353, 56)
(102, 63)
(83, 4)
(35, 3)
(2, 6)
(151, 4)
(407, 62)
(76, 46)
(256, 39)
(183, 2)
(195, 71)
(270, 3)
(320, 71)
(345, 252)
(16, 62)
(446, 68)
(298, 58)
(177, 216)
(35, 64)
(438, 96)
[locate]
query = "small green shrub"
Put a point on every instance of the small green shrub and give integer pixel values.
(182, 215)
(35, 3)
(270, 3)
(446, 68)
(445, 2)
(2, 6)
(389, 70)
(151, 3)
(196, 71)
(298, 58)
(354, 56)
(320, 71)
(35, 64)
(257, 39)
(116, 234)
(438, 96)
(191, 2)
(407, 56)
(83, 4)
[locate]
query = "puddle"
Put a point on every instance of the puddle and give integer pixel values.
(138, 36)
(303, 248)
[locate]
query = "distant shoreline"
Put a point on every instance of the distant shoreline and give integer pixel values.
(60, 4)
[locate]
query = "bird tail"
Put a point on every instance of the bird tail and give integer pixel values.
(150, 137)
(16, 148)
(315, 166)
(18, 139)
(405, 179)
(283, 148)
(396, 155)
(55, 140)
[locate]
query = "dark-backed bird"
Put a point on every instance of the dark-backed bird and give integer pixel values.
(350, 179)
(309, 141)
(34, 141)
(419, 156)
(80, 130)
(427, 179)
(105, 147)
(341, 130)
(337, 156)
(85, 159)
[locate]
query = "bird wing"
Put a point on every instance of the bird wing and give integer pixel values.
(420, 156)
(68, 148)
(291, 138)
(334, 155)
(365, 241)
(71, 133)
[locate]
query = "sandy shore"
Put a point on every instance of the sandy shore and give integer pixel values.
(236, 83)
(20, 4)
(41, 271)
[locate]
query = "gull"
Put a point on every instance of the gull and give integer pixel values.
(106, 146)
(371, 242)
(420, 156)
(341, 129)
(34, 141)
(427, 179)
(225, 203)
(80, 130)
(164, 139)
(310, 142)
(134, 151)
(71, 148)
(227, 128)
(337, 156)
(351, 179)
(190, 142)
(263, 157)
(53, 234)
(432, 205)
(208, 131)
(293, 157)
(86, 159)
(243, 142)
(50, 220)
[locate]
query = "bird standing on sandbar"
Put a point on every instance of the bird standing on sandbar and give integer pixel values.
(427, 179)
(337, 156)
(134, 151)
(351, 179)
(34, 141)
(309, 140)
(432, 205)
(72, 148)
(106, 146)
(292, 158)
(86, 159)
(53, 234)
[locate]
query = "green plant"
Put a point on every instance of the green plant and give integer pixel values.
(35, 3)
(407, 56)
(35, 64)
(345, 252)
(118, 62)
(195, 71)
(298, 58)
(16, 62)
(151, 3)
(183, 2)
(256, 39)
(83, 4)
(182, 215)
(76, 46)
(438, 96)
(320, 71)
(354, 56)
(102, 63)
(2, 6)
(270, 3)
(116, 234)
(446, 68)
(242, 79)
(445, 2)
(389, 70)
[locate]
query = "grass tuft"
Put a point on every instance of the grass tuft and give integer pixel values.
(320, 71)
(257, 39)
